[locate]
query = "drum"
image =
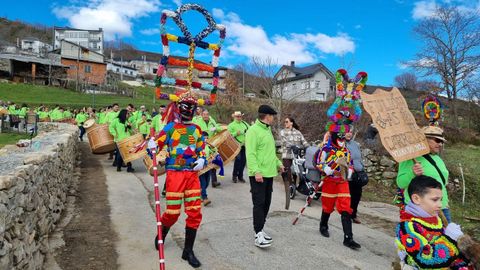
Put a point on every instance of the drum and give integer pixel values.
(46, 119)
(209, 166)
(149, 165)
(100, 139)
(89, 123)
(128, 144)
(227, 146)
(32, 118)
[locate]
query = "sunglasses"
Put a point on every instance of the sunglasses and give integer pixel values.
(437, 140)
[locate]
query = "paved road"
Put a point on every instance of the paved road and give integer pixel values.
(225, 238)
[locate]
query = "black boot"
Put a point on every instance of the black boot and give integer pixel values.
(164, 235)
(213, 175)
(190, 235)
(324, 224)
(347, 230)
(234, 179)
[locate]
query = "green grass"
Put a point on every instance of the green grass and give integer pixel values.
(11, 138)
(33, 95)
(469, 157)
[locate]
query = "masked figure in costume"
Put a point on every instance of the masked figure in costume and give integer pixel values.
(185, 146)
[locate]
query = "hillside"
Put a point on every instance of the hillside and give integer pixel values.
(11, 30)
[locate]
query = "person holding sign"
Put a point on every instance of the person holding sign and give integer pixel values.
(430, 164)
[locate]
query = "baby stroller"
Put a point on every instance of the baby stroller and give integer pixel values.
(299, 170)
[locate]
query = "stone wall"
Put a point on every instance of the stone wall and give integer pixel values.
(379, 167)
(34, 184)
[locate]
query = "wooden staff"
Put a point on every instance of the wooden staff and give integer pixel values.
(161, 254)
(307, 202)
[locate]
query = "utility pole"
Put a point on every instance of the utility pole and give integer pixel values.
(78, 65)
(243, 80)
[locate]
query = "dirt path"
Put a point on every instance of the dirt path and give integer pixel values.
(89, 237)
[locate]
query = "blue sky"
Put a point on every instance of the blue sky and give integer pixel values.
(373, 36)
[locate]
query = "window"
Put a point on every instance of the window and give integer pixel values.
(294, 86)
(118, 70)
(88, 69)
(131, 72)
(320, 96)
(317, 84)
(155, 71)
(307, 85)
(303, 86)
(126, 71)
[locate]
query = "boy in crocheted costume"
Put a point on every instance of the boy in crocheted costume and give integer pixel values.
(422, 240)
(335, 162)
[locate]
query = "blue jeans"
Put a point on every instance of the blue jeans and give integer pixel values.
(204, 181)
(446, 213)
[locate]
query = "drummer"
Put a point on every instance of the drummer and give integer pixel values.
(80, 120)
(120, 129)
(209, 125)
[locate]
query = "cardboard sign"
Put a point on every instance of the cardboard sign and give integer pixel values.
(396, 125)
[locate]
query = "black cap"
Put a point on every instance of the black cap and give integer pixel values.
(266, 110)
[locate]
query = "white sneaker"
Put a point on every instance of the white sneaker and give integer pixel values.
(267, 237)
(260, 241)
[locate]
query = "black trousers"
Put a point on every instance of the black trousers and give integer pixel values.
(240, 162)
(119, 160)
(82, 132)
(261, 198)
(356, 195)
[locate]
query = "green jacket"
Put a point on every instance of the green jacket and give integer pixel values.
(22, 112)
(260, 150)
(81, 118)
(144, 128)
(111, 116)
(211, 128)
(157, 123)
(56, 114)
(101, 118)
(43, 115)
(118, 130)
(67, 114)
(12, 110)
(241, 126)
(405, 175)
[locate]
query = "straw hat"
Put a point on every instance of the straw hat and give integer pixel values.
(433, 132)
(237, 113)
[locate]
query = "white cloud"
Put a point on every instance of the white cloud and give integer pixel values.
(253, 41)
(358, 26)
(424, 9)
(177, 2)
(114, 16)
(150, 31)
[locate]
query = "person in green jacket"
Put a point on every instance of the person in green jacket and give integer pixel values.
(144, 126)
(209, 125)
(120, 129)
(157, 119)
(111, 115)
(80, 119)
(238, 128)
(67, 114)
(263, 164)
(424, 165)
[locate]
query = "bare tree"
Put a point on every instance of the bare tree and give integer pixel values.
(451, 49)
(407, 81)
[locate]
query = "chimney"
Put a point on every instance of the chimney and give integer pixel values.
(292, 63)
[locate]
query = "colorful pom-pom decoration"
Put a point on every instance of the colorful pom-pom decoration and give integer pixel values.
(432, 109)
(193, 42)
(346, 108)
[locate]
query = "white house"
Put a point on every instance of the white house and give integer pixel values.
(91, 39)
(35, 46)
(314, 82)
(122, 70)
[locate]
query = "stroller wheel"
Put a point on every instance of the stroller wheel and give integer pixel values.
(293, 191)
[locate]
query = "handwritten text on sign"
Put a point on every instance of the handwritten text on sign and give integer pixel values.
(396, 125)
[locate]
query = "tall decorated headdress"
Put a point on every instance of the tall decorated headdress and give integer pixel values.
(346, 108)
(432, 109)
(193, 42)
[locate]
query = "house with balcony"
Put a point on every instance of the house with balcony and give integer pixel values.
(310, 83)
(85, 65)
(90, 39)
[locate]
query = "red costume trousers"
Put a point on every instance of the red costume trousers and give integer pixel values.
(183, 187)
(335, 192)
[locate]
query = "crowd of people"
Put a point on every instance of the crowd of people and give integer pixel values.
(421, 181)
